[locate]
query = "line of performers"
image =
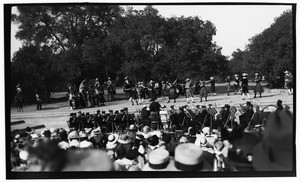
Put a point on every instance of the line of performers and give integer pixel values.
(137, 93)
(90, 95)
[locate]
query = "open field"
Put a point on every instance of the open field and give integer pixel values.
(56, 114)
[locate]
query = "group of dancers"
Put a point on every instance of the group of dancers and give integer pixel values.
(90, 95)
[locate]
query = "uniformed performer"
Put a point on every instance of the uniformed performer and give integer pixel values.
(228, 84)
(245, 86)
(188, 90)
(203, 90)
(258, 88)
(288, 79)
(237, 84)
(212, 85)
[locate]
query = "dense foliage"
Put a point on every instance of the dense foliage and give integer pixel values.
(270, 50)
(66, 44)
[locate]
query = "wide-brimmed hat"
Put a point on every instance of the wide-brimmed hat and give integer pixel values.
(124, 139)
(125, 78)
(275, 152)
(245, 74)
(236, 75)
(211, 77)
(187, 80)
(112, 141)
(256, 73)
(97, 79)
(286, 72)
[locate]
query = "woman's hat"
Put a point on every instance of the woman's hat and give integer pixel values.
(236, 75)
(112, 141)
(245, 74)
(275, 152)
(124, 139)
(256, 73)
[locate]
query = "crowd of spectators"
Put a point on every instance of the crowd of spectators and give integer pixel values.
(138, 146)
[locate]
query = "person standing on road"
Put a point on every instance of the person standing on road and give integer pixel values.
(212, 85)
(38, 101)
(258, 88)
(245, 86)
(237, 84)
(203, 90)
(288, 79)
(19, 98)
(228, 84)
(188, 92)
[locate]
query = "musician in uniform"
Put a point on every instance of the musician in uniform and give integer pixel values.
(258, 88)
(288, 81)
(237, 83)
(203, 90)
(228, 84)
(188, 91)
(245, 86)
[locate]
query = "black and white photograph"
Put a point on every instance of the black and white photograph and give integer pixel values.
(158, 90)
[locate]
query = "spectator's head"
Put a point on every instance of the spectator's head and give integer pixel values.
(190, 157)
(124, 139)
(112, 141)
(46, 133)
(134, 168)
(146, 129)
(132, 127)
(183, 140)
(153, 140)
(275, 152)
(206, 131)
(159, 160)
(73, 135)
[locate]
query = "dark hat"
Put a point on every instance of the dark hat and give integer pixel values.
(153, 140)
(248, 103)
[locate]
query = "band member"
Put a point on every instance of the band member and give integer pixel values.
(174, 92)
(245, 86)
(258, 88)
(203, 90)
(237, 84)
(228, 84)
(212, 85)
(19, 98)
(188, 91)
(288, 79)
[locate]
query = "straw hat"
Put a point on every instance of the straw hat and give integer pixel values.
(112, 141)
(159, 160)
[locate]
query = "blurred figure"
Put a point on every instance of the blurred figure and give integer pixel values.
(258, 88)
(245, 86)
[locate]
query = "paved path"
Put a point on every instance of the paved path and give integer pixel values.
(56, 114)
